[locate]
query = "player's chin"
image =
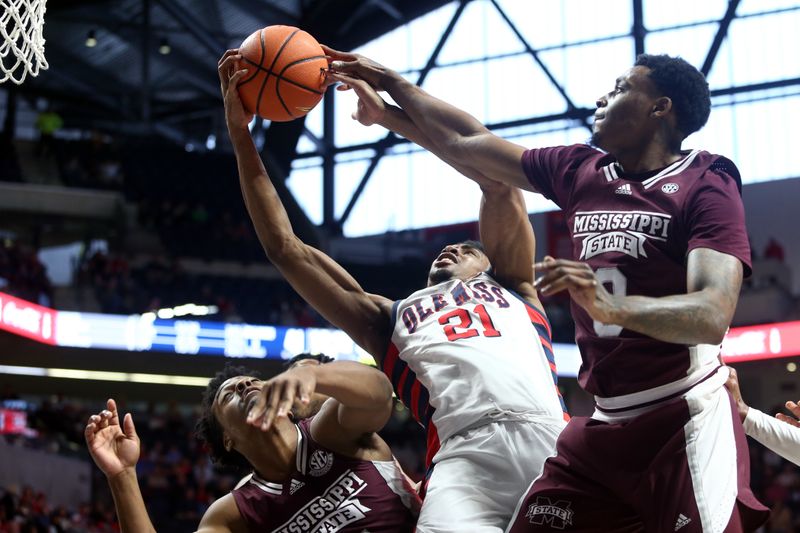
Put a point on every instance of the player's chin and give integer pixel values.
(440, 274)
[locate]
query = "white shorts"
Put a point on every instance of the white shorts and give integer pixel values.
(479, 475)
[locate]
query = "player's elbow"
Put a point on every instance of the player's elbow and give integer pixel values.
(283, 250)
(716, 327)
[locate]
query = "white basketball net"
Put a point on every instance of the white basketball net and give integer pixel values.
(22, 49)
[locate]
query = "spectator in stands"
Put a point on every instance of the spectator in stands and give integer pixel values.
(780, 434)
(774, 250)
(48, 123)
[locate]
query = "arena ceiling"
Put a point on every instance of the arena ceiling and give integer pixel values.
(125, 83)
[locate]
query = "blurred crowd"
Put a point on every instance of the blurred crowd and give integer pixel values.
(177, 479)
(22, 274)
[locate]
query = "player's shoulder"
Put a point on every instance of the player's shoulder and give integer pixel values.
(223, 516)
(713, 170)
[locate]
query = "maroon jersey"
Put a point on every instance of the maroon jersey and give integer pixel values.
(327, 493)
(635, 232)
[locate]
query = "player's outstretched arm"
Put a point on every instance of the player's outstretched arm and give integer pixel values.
(372, 109)
(115, 450)
(315, 276)
(701, 316)
(361, 400)
(780, 437)
(458, 135)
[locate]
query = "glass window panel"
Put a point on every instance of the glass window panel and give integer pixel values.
(553, 23)
(498, 89)
(765, 48)
(479, 32)
(757, 136)
(348, 176)
(660, 14)
(306, 186)
(588, 71)
(692, 43)
(305, 145)
(413, 191)
(747, 7)
(347, 130)
(409, 47)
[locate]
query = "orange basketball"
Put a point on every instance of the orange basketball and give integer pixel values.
(286, 70)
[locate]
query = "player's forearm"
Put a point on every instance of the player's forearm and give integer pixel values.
(263, 204)
(506, 233)
(693, 318)
(354, 384)
(778, 436)
(444, 124)
(131, 511)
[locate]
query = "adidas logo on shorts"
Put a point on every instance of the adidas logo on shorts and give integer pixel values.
(682, 521)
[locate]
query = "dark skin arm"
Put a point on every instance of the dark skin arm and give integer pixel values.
(458, 135)
(701, 316)
(505, 229)
(360, 403)
(316, 277)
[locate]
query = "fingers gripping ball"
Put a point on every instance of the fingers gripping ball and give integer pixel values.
(286, 70)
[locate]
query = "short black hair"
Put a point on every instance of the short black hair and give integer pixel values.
(209, 431)
(321, 358)
(684, 85)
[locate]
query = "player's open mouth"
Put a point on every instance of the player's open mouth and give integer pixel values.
(446, 257)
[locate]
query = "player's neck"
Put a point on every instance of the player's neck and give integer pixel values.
(654, 156)
(273, 456)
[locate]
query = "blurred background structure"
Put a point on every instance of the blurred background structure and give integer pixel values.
(128, 266)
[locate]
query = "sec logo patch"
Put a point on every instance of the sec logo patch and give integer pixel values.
(670, 188)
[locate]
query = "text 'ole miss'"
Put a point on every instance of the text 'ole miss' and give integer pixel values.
(420, 310)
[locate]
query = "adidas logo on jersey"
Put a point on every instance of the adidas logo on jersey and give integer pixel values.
(295, 486)
(624, 189)
(682, 521)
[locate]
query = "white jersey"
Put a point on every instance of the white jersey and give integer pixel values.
(466, 352)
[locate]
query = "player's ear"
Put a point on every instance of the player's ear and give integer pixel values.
(227, 441)
(662, 106)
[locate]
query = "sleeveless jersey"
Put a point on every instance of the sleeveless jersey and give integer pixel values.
(467, 352)
(327, 493)
(636, 233)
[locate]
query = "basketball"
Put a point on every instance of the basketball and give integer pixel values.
(286, 71)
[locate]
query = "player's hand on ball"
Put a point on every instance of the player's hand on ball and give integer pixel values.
(357, 66)
(279, 394)
(229, 76)
(578, 278)
(371, 107)
(114, 448)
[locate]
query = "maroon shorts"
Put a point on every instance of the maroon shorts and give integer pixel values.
(681, 467)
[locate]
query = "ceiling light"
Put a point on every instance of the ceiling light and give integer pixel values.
(91, 39)
(164, 47)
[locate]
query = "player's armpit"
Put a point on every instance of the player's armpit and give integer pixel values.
(223, 517)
